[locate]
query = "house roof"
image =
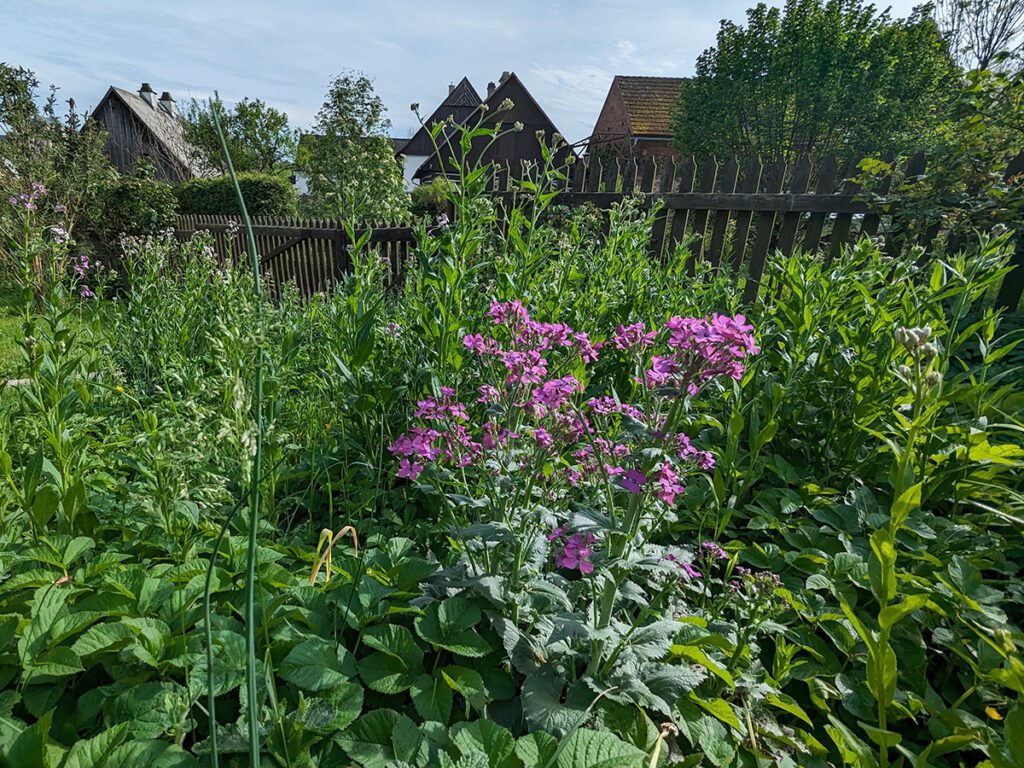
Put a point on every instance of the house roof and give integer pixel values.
(460, 103)
(534, 119)
(169, 130)
(650, 102)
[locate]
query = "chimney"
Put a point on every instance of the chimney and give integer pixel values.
(504, 76)
(490, 89)
(451, 88)
(167, 102)
(148, 95)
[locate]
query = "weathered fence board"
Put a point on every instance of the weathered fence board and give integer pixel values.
(730, 214)
(312, 254)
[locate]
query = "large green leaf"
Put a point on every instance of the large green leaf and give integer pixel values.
(451, 624)
(486, 737)
(598, 749)
(95, 752)
(432, 697)
(314, 665)
(466, 682)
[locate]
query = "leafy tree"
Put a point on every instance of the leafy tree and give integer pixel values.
(349, 159)
(979, 31)
(60, 151)
(258, 136)
(817, 76)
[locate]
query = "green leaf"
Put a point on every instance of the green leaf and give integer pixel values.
(151, 709)
(486, 737)
(788, 704)
(94, 752)
(598, 749)
(907, 502)
(536, 749)
(697, 656)
(112, 635)
(881, 737)
(718, 708)
(890, 616)
(881, 673)
(543, 707)
(882, 567)
(45, 505)
(334, 710)
(1014, 731)
(467, 683)
(314, 665)
(432, 697)
(450, 624)
(29, 749)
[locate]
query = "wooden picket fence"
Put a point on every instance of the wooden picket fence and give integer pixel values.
(731, 214)
(735, 213)
(312, 254)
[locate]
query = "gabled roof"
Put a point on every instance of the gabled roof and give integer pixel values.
(650, 102)
(525, 110)
(459, 103)
(167, 129)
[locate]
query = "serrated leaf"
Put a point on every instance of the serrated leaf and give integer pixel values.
(488, 738)
(598, 749)
(314, 665)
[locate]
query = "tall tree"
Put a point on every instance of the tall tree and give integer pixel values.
(258, 136)
(349, 158)
(816, 77)
(980, 31)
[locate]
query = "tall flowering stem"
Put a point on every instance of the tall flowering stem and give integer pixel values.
(254, 484)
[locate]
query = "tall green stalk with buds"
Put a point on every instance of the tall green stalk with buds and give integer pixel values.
(255, 472)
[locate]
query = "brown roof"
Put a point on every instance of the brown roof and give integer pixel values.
(650, 103)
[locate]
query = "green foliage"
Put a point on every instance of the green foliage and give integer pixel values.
(54, 150)
(430, 199)
(865, 493)
(258, 136)
(266, 194)
(348, 158)
(817, 77)
(135, 204)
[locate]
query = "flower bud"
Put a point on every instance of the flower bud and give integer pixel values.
(929, 350)
(507, 104)
(933, 379)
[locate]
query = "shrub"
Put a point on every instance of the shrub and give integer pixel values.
(266, 194)
(136, 204)
(430, 199)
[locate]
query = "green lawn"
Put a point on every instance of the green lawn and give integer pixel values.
(10, 328)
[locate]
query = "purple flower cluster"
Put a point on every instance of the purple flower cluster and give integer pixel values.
(27, 200)
(452, 444)
(634, 336)
(547, 410)
(575, 552)
(701, 349)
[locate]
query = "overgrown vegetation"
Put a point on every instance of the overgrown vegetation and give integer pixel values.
(266, 194)
(544, 502)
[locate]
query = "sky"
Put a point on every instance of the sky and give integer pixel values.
(286, 52)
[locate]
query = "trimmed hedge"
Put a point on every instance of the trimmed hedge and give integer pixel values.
(266, 194)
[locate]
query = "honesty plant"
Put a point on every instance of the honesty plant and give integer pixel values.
(565, 482)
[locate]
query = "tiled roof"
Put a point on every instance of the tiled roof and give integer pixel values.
(650, 103)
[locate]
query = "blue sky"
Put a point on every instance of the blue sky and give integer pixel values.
(285, 52)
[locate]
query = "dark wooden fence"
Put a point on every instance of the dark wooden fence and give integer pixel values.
(736, 212)
(311, 253)
(729, 213)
